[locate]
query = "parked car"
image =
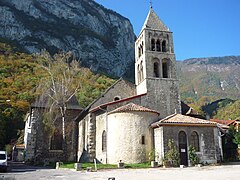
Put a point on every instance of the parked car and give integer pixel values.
(3, 161)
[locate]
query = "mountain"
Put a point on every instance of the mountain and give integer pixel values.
(217, 77)
(230, 111)
(102, 39)
(212, 108)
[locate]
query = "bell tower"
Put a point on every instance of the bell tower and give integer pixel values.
(155, 66)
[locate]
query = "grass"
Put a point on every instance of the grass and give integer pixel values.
(135, 166)
(70, 165)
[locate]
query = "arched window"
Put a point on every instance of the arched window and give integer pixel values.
(182, 138)
(56, 140)
(158, 45)
(104, 141)
(139, 52)
(138, 74)
(195, 140)
(142, 47)
(164, 46)
(153, 44)
(156, 69)
(165, 69)
(141, 71)
(167, 37)
(117, 98)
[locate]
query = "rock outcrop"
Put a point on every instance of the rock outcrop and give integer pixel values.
(102, 39)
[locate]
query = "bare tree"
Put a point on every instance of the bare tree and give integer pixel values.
(59, 86)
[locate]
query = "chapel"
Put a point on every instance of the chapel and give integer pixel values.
(131, 120)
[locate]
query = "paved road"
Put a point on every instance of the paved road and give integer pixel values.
(226, 172)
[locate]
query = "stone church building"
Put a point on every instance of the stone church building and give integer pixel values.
(130, 120)
(40, 146)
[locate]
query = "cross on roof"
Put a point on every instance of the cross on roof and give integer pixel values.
(151, 3)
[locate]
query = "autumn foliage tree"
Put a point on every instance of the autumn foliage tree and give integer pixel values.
(59, 86)
(20, 74)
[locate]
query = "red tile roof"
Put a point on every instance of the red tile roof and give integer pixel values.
(224, 122)
(179, 119)
(132, 107)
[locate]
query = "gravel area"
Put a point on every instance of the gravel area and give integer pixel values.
(224, 172)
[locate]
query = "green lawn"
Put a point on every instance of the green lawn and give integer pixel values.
(142, 165)
(70, 165)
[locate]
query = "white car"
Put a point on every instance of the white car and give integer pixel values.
(3, 161)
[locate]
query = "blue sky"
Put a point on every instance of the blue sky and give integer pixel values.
(201, 28)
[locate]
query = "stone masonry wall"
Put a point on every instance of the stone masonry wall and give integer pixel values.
(38, 144)
(30, 136)
(208, 152)
(91, 141)
(162, 96)
(125, 131)
(101, 125)
(122, 89)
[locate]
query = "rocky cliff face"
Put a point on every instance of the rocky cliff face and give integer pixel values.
(215, 76)
(102, 39)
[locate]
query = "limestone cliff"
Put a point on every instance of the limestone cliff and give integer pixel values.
(102, 39)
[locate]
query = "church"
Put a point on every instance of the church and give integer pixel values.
(131, 120)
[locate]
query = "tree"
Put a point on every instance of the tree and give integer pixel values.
(19, 75)
(229, 144)
(59, 86)
(236, 139)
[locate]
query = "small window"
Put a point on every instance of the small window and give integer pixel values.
(30, 121)
(56, 140)
(138, 74)
(165, 69)
(141, 71)
(140, 50)
(158, 45)
(143, 140)
(195, 140)
(104, 141)
(167, 37)
(156, 69)
(153, 44)
(164, 46)
(116, 98)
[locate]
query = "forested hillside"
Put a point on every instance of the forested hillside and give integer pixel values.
(19, 77)
(211, 85)
(213, 78)
(230, 111)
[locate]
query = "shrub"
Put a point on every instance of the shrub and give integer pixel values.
(152, 155)
(193, 156)
(172, 157)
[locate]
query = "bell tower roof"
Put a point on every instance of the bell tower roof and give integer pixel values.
(154, 22)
